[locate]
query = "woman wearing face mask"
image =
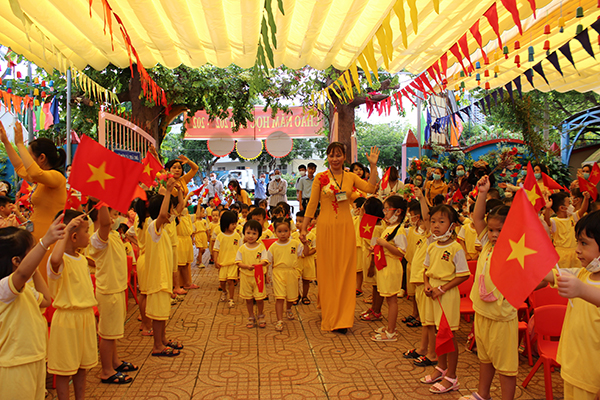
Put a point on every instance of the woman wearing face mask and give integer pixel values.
(539, 170)
(462, 180)
(337, 264)
(393, 187)
(435, 186)
(417, 180)
(40, 163)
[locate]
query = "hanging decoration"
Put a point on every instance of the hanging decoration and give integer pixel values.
(92, 89)
(249, 149)
(220, 147)
(279, 144)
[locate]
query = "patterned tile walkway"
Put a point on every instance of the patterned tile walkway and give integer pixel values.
(223, 359)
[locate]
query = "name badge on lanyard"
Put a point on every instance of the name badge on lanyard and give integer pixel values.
(341, 196)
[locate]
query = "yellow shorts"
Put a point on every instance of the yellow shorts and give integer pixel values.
(111, 307)
(497, 344)
(389, 279)
(410, 287)
(228, 272)
(572, 392)
(568, 258)
(249, 288)
(201, 240)
(26, 381)
(140, 266)
(285, 283)
(158, 305)
(73, 344)
(307, 269)
(450, 303)
(185, 250)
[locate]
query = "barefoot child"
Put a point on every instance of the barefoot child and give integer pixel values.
(23, 329)
(496, 321)
(445, 268)
(251, 253)
(108, 252)
(73, 346)
(226, 247)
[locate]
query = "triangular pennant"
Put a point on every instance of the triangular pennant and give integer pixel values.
(436, 67)
(431, 73)
(495, 96)
(489, 103)
(444, 66)
(596, 26)
(529, 75)
(517, 82)
(533, 7)
(501, 93)
(553, 58)
(464, 46)
(584, 39)
(492, 16)
(511, 6)
(538, 68)
(456, 52)
(565, 49)
(510, 92)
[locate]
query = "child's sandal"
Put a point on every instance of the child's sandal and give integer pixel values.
(473, 396)
(251, 322)
(279, 326)
(438, 388)
(290, 315)
(262, 323)
(429, 379)
(385, 336)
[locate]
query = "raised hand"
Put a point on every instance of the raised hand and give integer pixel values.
(183, 159)
(484, 184)
(18, 133)
(373, 156)
(56, 231)
(3, 136)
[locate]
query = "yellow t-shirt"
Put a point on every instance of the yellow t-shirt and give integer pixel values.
(267, 234)
(416, 266)
(413, 236)
(399, 241)
(285, 255)
(295, 235)
(200, 226)
(579, 344)
(159, 260)
(304, 261)
(23, 329)
(468, 234)
(446, 262)
(185, 226)
(171, 229)
(71, 287)
(248, 256)
(501, 309)
(227, 246)
(563, 231)
(111, 263)
(356, 220)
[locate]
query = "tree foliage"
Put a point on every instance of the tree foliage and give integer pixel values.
(388, 137)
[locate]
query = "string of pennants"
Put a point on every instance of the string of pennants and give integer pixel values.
(583, 38)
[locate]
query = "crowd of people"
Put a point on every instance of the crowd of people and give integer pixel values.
(76, 260)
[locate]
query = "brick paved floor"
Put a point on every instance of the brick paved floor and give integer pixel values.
(223, 359)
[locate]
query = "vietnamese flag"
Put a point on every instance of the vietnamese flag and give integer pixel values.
(443, 339)
(533, 191)
(217, 200)
(25, 187)
(523, 254)
(139, 193)
(379, 255)
(151, 167)
(587, 186)
(259, 276)
(550, 183)
(367, 225)
(457, 196)
(386, 178)
(100, 173)
(595, 174)
(72, 201)
(269, 242)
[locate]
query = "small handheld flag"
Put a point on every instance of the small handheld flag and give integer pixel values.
(386, 179)
(587, 186)
(151, 167)
(595, 175)
(379, 256)
(367, 226)
(269, 242)
(259, 276)
(533, 191)
(443, 339)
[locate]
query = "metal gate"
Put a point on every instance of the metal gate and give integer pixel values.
(117, 133)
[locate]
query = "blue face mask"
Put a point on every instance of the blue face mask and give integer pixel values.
(460, 172)
(437, 177)
(538, 175)
(586, 176)
(523, 172)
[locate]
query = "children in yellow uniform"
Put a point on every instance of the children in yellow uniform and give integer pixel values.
(200, 234)
(358, 212)
(249, 255)
(108, 252)
(445, 268)
(283, 256)
(389, 278)
(73, 347)
(578, 348)
(140, 231)
(468, 239)
(226, 247)
(307, 261)
(185, 249)
(159, 273)
(214, 223)
(496, 322)
(259, 214)
(562, 227)
(23, 329)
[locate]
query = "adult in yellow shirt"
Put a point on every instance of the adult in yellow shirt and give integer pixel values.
(40, 163)
(240, 195)
(175, 167)
(336, 273)
(436, 186)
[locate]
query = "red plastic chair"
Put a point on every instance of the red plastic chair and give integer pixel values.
(524, 332)
(466, 305)
(548, 324)
(546, 296)
(132, 273)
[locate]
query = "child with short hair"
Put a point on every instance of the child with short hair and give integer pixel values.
(445, 268)
(158, 273)
(73, 346)
(283, 256)
(108, 252)
(389, 279)
(249, 255)
(308, 259)
(373, 206)
(357, 214)
(260, 215)
(200, 234)
(23, 329)
(496, 321)
(9, 213)
(225, 250)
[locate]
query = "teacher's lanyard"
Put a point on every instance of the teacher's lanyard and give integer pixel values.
(335, 180)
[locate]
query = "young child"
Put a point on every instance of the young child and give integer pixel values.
(562, 226)
(308, 259)
(23, 329)
(158, 273)
(73, 346)
(357, 214)
(580, 334)
(389, 278)
(200, 234)
(244, 210)
(445, 268)
(212, 226)
(9, 213)
(139, 229)
(283, 256)
(108, 252)
(226, 247)
(373, 206)
(185, 248)
(468, 238)
(496, 321)
(260, 215)
(251, 253)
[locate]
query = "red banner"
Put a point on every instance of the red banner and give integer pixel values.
(296, 125)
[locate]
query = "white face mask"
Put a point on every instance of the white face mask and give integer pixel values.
(445, 236)
(593, 266)
(277, 177)
(302, 173)
(262, 180)
(570, 210)
(213, 178)
(393, 219)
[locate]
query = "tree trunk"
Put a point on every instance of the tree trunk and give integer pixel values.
(148, 118)
(345, 127)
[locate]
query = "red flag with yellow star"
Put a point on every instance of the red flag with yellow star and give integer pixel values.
(595, 174)
(532, 190)
(457, 196)
(587, 186)
(523, 254)
(259, 277)
(151, 167)
(379, 257)
(367, 225)
(100, 173)
(386, 179)
(551, 184)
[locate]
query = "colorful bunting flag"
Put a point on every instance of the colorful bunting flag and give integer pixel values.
(386, 178)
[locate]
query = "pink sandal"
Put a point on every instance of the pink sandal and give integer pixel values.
(370, 315)
(438, 388)
(429, 379)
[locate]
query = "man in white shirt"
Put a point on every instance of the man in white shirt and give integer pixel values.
(304, 186)
(214, 186)
(277, 189)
